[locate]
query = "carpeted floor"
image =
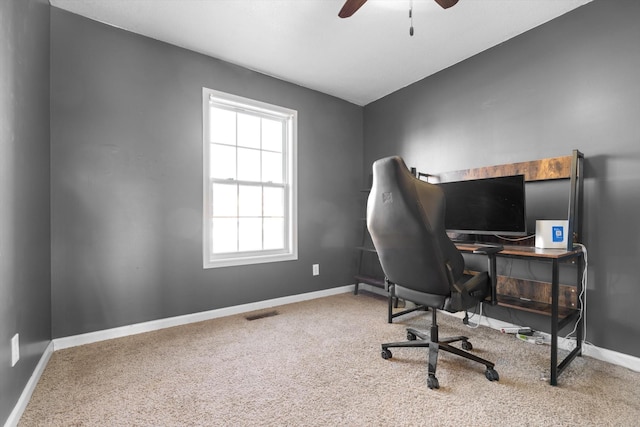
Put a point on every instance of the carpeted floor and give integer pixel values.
(317, 363)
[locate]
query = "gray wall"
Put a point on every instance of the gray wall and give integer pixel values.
(126, 180)
(571, 83)
(124, 200)
(25, 302)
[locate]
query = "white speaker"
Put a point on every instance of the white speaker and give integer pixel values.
(552, 234)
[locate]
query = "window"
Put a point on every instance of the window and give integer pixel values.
(249, 181)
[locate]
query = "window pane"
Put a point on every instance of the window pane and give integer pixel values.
(248, 165)
(272, 135)
(250, 234)
(248, 131)
(274, 233)
(223, 162)
(273, 202)
(222, 126)
(224, 235)
(249, 184)
(272, 167)
(250, 201)
(225, 200)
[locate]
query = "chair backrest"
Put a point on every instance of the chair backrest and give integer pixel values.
(405, 218)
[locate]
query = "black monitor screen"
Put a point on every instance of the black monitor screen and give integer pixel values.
(486, 206)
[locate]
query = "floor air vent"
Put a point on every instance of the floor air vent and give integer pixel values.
(262, 315)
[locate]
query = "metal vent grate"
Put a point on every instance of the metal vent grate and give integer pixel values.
(262, 315)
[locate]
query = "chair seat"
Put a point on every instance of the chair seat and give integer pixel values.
(472, 288)
(420, 298)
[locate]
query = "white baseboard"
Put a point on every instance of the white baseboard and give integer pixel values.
(23, 401)
(612, 357)
(153, 325)
(609, 356)
(72, 341)
(605, 355)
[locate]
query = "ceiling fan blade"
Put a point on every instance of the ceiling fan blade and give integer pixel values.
(350, 7)
(446, 3)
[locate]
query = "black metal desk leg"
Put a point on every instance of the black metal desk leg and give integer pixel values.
(555, 295)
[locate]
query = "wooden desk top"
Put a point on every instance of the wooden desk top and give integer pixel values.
(523, 251)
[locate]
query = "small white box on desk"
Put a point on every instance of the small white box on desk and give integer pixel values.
(552, 234)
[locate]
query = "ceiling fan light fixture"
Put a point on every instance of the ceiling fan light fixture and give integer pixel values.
(411, 18)
(350, 7)
(446, 4)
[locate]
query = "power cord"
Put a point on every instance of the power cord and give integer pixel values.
(582, 298)
(467, 318)
(516, 239)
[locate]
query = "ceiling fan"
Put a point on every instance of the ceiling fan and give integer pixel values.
(351, 6)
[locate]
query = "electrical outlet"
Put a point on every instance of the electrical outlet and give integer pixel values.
(316, 269)
(15, 350)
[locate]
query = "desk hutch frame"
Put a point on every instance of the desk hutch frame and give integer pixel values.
(563, 307)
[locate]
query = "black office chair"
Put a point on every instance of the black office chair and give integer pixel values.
(405, 217)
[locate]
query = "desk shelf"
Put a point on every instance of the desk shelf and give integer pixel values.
(370, 280)
(536, 307)
(368, 268)
(560, 316)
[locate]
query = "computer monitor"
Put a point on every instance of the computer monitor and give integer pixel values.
(490, 206)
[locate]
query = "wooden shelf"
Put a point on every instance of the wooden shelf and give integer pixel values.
(520, 251)
(374, 281)
(368, 270)
(533, 306)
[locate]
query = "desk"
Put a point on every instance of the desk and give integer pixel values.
(558, 319)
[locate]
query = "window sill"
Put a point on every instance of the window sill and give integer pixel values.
(231, 262)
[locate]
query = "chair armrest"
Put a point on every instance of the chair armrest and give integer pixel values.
(488, 250)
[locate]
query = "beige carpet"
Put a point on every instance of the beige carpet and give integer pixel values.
(318, 363)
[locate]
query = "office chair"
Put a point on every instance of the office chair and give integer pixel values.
(405, 218)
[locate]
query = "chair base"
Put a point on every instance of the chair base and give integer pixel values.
(418, 339)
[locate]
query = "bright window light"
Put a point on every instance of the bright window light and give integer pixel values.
(250, 211)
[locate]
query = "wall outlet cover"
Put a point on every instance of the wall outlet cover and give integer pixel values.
(15, 350)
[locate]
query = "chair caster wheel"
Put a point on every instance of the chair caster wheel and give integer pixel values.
(491, 374)
(466, 345)
(386, 353)
(411, 336)
(432, 382)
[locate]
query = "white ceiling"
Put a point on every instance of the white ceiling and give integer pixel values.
(359, 59)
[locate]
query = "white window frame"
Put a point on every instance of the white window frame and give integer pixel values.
(290, 117)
